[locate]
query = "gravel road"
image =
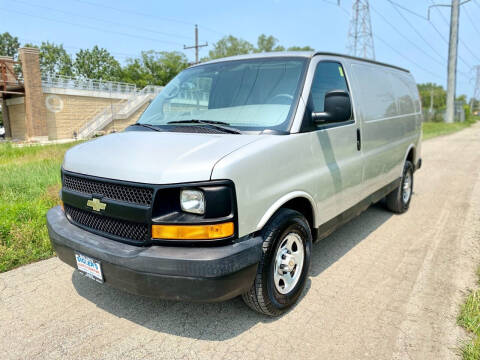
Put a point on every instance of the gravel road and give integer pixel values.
(381, 287)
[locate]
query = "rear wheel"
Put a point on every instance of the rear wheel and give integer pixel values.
(398, 200)
(284, 266)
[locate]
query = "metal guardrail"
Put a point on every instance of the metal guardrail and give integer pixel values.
(65, 82)
(193, 95)
(138, 96)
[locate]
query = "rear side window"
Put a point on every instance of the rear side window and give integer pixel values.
(328, 76)
(377, 98)
(404, 95)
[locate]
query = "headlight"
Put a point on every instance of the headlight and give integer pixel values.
(192, 201)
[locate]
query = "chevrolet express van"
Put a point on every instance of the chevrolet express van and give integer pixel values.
(233, 171)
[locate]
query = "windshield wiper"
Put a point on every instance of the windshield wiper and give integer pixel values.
(215, 124)
(147, 126)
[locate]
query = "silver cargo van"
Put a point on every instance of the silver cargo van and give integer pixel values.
(233, 171)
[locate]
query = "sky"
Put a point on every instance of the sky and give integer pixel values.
(402, 36)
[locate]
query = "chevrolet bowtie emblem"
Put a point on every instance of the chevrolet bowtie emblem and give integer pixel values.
(96, 204)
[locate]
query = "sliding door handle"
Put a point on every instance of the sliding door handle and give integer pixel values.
(359, 140)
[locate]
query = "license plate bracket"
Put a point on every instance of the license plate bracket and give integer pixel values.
(89, 267)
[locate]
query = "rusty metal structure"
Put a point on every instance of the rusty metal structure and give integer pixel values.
(10, 82)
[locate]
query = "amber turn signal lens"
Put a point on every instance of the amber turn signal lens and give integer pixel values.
(193, 232)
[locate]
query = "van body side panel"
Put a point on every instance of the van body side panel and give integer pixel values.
(271, 168)
(389, 118)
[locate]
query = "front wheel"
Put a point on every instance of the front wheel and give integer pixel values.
(283, 269)
(398, 200)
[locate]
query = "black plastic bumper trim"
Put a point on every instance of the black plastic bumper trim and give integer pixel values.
(161, 271)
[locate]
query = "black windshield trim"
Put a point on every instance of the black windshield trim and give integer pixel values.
(219, 125)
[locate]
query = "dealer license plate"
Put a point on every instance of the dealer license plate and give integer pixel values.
(89, 267)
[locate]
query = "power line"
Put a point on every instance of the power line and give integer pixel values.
(406, 38)
(407, 10)
(471, 21)
(399, 53)
(407, 58)
(416, 31)
(434, 27)
(460, 40)
(69, 46)
(139, 13)
(133, 12)
(337, 4)
(211, 30)
(91, 27)
(103, 20)
(419, 33)
(446, 42)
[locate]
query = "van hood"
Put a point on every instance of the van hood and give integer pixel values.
(153, 157)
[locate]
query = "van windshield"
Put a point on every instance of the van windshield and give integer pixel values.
(251, 95)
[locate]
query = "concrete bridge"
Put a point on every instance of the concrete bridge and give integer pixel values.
(45, 107)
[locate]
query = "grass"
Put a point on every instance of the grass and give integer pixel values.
(469, 318)
(433, 129)
(29, 186)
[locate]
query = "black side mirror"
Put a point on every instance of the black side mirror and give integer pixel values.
(337, 108)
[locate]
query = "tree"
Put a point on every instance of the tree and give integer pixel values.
(96, 64)
(230, 46)
(300, 48)
(462, 99)
(54, 59)
(9, 45)
(267, 44)
(154, 67)
(439, 94)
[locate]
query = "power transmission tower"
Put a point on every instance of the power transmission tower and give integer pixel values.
(360, 36)
(196, 46)
(475, 102)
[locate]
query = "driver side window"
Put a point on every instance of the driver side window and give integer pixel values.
(328, 76)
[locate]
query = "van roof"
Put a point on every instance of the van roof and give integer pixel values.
(305, 54)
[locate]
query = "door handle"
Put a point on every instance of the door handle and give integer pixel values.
(359, 140)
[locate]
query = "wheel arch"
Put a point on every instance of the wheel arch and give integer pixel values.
(410, 155)
(296, 200)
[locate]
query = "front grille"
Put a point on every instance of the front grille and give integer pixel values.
(132, 194)
(123, 229)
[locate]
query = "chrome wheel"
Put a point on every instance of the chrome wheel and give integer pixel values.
(289, 261)
(407, 187)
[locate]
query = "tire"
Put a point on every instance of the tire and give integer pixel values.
(286, 228)
(396, 201)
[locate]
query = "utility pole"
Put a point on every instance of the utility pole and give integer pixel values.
(360, 36)
(452, 62)
(476, 93)
(430, 111)
(196, 46)
(452, 56)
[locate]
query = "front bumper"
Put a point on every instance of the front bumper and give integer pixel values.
(180, 273)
